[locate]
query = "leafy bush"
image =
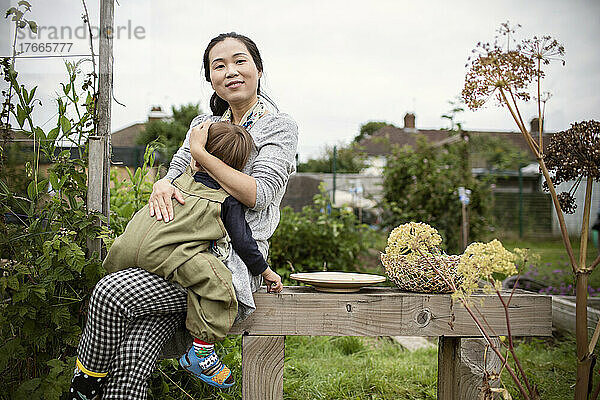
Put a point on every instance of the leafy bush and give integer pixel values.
(46, 275)
(318, 234)
(169, 134)
(128, 196)
(421, 185)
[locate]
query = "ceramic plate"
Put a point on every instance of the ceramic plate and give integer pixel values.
(338, 282)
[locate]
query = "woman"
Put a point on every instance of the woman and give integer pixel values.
(139, 311)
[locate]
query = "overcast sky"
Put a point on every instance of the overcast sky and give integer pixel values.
(331, 65)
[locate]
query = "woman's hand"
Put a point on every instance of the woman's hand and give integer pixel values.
(198, 138)
(160, 202)
(273, 281)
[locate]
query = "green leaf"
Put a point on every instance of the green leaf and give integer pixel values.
(56, 364)
(31, 193)
(21, 115)
(53, 180)
(40, 292)
(137, 176)
(30, 385)
(31, 94)
(39, 133)
(60, 316)
(62, 181)
(21, 294)
(66, 88)
(62, 274)
(53, 134)
(12, 282)
(42, 185)
(10, 12)
(13, 349)
(32, 26)
(65, 124)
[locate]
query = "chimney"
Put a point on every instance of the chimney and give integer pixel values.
(409, 121)
(156, 114)
(535, 125)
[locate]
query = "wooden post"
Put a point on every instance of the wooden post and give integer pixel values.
(99, 144)
(448, 364)
(262, 367)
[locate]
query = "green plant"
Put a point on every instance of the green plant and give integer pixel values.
(46, 276)
(169, 134)
(421, 185)
(128, 196)
(316, 235)
(349, 159)
(369, 128)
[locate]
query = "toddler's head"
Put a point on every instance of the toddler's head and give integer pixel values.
(230, 143)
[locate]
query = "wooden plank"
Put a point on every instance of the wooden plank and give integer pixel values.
(563, 315)
(95, 183)
(262, 367)
(105, 91)
(448, 363)
(477, 362)
(390, 312)
(593, 302)
(99, 144)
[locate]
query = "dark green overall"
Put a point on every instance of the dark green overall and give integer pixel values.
(180, 252)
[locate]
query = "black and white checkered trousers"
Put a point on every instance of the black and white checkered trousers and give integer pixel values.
(131, 315)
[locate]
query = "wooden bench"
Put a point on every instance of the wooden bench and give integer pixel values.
(375, 312)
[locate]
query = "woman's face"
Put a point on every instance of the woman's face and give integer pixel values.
(233, 74)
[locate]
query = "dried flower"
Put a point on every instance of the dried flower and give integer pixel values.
(495, 69)
(544, 49)
(410, 238)
(485, 261)
(567, 202)
(575, 153)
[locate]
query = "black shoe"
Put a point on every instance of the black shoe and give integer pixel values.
(85, 387)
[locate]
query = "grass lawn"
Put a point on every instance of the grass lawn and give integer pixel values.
(366, 368)
(553, 266)
(357, 368)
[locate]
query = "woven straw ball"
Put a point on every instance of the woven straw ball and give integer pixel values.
(418, 275)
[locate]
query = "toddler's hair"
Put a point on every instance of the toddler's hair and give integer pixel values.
(230, 143)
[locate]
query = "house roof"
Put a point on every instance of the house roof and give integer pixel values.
(10, 135)
(126, 137)
(381, 142)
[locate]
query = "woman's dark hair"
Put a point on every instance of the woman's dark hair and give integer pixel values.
(217, 105)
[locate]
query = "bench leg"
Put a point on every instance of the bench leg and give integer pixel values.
(448, 363)
(262, 367)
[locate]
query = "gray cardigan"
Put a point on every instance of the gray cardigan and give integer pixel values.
(271, 163)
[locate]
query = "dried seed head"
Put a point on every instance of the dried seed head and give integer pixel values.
(575, 153)
(567, 202)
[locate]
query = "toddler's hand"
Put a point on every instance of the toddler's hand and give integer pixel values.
(194, 165)
(273, 281)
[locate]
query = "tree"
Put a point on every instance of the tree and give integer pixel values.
(493, 151)
(349, 159)
(170, 133)
(420, 184)
(368, 128)
(497, 153)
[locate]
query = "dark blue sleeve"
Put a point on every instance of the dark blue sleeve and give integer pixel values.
(234, 219)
